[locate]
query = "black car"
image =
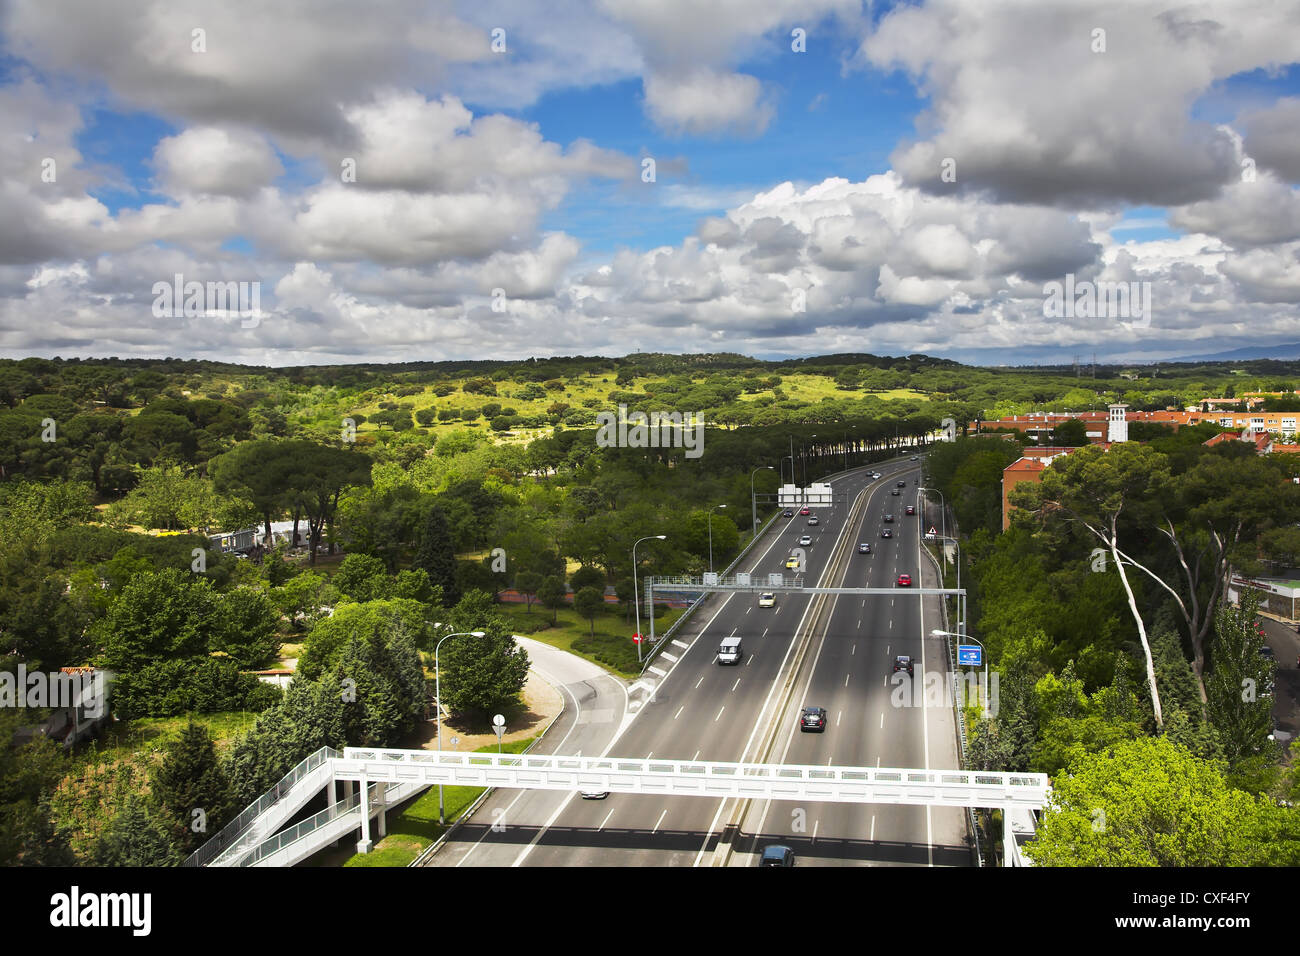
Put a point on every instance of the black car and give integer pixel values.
(888, 519)
(864, 549)
(886, 533)
(895, 492)
(902, 484)
(776, 856)
(787, 514)
(813, 718)
(903, 663)
(1266, 651)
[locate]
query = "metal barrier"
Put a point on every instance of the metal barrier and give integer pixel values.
(231, 833)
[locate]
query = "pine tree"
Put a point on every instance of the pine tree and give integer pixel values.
(437, 556)
(134, 838)
(191, 779)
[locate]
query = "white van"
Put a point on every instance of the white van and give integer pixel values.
(730, 651)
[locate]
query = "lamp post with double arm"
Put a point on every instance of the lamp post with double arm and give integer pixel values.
(437, 697)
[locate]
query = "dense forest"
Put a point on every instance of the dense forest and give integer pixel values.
(423, 490)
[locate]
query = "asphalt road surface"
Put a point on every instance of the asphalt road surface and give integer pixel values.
(702, 710)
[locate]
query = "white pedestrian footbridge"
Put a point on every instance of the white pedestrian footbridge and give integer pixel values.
(374, 779)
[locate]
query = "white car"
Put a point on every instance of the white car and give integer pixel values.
(594, 794)
(805, 539)
(767, 599)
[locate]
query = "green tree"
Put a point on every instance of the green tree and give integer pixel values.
(191, 779)
(134, 837)
(480, 675)
(1150, 802)
(527, 583)
(165, 615)
(589, 602)
(244, 626)
(1239, 690)
(553, 595)
(437, 556)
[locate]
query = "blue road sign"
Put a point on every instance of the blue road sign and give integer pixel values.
(970, 654)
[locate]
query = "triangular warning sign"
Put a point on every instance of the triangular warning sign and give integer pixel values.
(932, 531)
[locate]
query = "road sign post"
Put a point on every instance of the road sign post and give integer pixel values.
(971, 655)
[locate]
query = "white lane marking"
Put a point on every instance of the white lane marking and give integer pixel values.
(816, 823)
(604, 821)
(682, 644)
(697, 755)
(873, 827)
(698, 683)
(715, 719)
(748, 609)
(853, 650)
(838, 717)
(859, 624)
(654, 670)
(882, 720)
(735, 685)
(765, 630)
(660, 820)
(668, 657)
(828, 761)
(846, 680)
(679, 711)
(750, 659)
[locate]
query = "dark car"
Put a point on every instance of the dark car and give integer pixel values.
(813, 718)
(776, 855)
(902, 484)
(886, 533)
(888, 518)
(895, 492)
(864, 549)
(787, 514)
(903, 663)
(911, 509)
(1266, 651)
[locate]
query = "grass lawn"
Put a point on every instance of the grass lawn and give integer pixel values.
(612, 645)
(415, 828)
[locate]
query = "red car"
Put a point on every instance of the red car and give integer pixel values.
(805, 511)
(911, 509)
(904, 580)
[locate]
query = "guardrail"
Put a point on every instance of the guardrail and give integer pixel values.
(231, 833)
(888, 785)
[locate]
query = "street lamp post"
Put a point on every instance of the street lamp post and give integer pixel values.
(753, 501)
(636, 594)
(943, 507)
(711, 510)
(437, 697)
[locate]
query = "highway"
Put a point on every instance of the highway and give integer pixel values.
(706, 711)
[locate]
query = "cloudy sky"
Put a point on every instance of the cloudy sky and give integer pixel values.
(404, 180)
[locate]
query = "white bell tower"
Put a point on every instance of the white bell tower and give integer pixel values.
(1117, 426)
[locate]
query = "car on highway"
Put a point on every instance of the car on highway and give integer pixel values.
(813, 718)
(895, 492)
(903, 663)
(767, 599)
(1266, 651)
(787, 513)
(913, 458)
(594, 794)
(911, 509)
(805, 539)
(864, 548)
(805, 511)
(887, 518)
(792, 562)
(902, 484)
(776, 855)
(875, 474)
(904, 580)
(813, 520)
(886, 533)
